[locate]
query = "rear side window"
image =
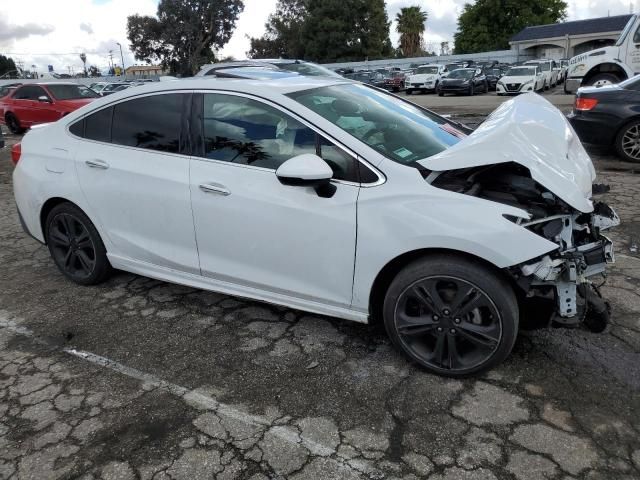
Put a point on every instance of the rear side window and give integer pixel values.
(152, 122)
(98, 126)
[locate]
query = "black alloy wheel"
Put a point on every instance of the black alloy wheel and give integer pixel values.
(75, 245)
(628, 142)
(457, 319)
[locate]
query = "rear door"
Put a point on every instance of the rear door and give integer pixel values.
(136, 179)
(25, 101)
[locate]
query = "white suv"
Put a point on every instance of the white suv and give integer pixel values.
(548, 69)
(328, 196)
(425, 78)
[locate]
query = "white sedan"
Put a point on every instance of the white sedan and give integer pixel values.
(328, 196)
(523, 79)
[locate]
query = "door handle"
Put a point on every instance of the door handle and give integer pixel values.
(214, 188)
(97, 164)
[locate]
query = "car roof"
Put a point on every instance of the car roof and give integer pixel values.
(268, 87)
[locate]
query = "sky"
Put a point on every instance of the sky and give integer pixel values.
(55, 32)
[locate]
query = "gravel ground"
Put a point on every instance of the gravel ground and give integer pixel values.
(140, 379)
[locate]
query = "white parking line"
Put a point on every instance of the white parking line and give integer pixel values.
(193, 397)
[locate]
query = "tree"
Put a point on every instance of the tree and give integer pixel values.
(488, 25)
(182, 36)
(345, 30)
(93, 71)
(410, 26)
(83, 58)
(444, 48)
(6, 65)
(283, 36)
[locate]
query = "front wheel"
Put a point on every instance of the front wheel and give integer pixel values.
(76, 246)
(471, 91)
(451, 315)
(628, 142)
(409, 91)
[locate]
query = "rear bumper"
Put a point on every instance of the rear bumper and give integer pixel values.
(593, 128)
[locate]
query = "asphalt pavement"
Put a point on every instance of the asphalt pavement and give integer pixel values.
(141, 379)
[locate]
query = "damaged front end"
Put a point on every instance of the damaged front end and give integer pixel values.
(566, 275)
(527, 156)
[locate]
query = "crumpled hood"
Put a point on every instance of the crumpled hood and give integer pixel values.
(530, 131)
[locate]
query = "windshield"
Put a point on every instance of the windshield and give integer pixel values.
(626, 30)
(308, 69)
(71, 92)
(543, 66)
(496, 71)
(521, 71)
(461, 74)
(427, 70)
(397, 129)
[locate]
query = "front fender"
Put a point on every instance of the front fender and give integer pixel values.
(392, 225)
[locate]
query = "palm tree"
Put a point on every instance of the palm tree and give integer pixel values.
(410, 26)
(83, 57)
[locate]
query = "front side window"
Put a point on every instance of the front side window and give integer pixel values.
(397, 129)
(152, 122)
(71, 92)
(636, 36)
(248, 132)
(626, 30)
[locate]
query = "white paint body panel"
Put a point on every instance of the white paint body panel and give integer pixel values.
(260, 239)
(530, 131)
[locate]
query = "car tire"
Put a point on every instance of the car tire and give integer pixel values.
(419, 314)
(603, 77)
(627, 142)
(75, 245)
(409, 91)
(546, 86)
(471, 91)
(13, 124)
(440, 93)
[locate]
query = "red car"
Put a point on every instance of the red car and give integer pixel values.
(36, 103)
(395, 81)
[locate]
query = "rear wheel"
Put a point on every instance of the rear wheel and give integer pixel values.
(76, 246)
(13, 124)
(628, 142)
(453, 316)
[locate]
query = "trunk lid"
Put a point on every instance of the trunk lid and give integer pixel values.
(532, 132)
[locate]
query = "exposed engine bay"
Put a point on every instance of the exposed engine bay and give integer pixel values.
(565, 274)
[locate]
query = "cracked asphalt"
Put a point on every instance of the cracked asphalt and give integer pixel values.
(140, 379)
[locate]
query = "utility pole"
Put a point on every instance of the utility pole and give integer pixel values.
(122, 58)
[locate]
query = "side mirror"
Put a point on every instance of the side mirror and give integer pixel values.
(307, 170)
(44, 98)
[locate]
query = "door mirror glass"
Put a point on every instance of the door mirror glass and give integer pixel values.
(44, 98)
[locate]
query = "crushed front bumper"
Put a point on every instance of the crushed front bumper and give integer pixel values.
(584, 252)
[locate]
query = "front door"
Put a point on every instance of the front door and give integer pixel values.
(251, 230)
(137, 182)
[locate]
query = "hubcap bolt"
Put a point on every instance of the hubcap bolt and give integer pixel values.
(457, 320)
(439, 329)
(453, 330)
(446, 312)
(436, 318)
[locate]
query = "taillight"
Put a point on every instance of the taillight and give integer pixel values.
(585, 104)
(16, 151)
